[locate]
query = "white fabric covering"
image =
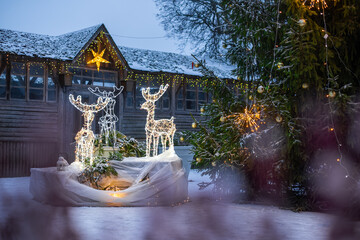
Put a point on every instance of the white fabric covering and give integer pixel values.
(166, 184)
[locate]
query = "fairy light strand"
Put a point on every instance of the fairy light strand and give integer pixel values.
(164, 128)
(340, 159)
(107, 122)
(85, 137)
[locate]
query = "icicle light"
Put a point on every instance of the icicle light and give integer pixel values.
(155, 129)
(85, 137)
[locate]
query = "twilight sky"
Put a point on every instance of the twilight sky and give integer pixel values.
(132, 18)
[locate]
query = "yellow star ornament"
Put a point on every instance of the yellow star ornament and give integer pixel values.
(98, 59)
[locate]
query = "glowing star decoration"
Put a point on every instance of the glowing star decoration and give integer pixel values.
(155, 129)
(248, 119)
(108, 121)
(85, 137)
(98, 58)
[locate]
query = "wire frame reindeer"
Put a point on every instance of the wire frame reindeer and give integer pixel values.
(107, 122)
(155, 129)
(85, 137)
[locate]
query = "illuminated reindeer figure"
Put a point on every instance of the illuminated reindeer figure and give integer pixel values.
(108, 121)
(85, 137)
(164, 128)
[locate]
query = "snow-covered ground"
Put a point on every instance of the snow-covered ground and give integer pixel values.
(201, 218)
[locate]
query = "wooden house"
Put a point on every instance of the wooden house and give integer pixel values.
(38, 72)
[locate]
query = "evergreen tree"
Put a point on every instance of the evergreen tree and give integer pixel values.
(307, 61)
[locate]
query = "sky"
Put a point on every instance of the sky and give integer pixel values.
(132, 23)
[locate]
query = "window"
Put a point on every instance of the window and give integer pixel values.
(180, 99)
(82, 76)
(139, 99)
(18, 80)
(129, 101)
(3, 84)
(51, 88)
(201, 97)
(190, 97)
(36, 82)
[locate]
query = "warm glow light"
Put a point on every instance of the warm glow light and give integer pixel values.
(317, 3)
(85, 137)
(248, 119)
(108, 121)
(98, 58)
(118, 195)
(155, 129)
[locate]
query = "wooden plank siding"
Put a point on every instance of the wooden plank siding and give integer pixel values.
(29, 136)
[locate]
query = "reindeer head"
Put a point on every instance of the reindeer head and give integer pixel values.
(154, 97)
(101, 104)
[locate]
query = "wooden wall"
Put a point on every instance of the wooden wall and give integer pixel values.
(29, 136)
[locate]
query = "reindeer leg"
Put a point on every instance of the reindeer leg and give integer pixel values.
(148, 144)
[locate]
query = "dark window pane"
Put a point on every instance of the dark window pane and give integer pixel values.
(36, 70)
(98, 82)
(129, 100)
(87, 73)
(37, 82)
(98, 74)
(109, 76)
(3, 77)
(51, 84)
(36, 94)
(75, 71)
(18, 68)
(17, 80)
(180, 105)
(190, 105)
(18, 93)
(2, 91)
(202, 96)
(166, 104)
(51, 95)
(190, 95)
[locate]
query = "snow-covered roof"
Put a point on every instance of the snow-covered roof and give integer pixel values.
(67, 46)
(63, 47)
(156, 61)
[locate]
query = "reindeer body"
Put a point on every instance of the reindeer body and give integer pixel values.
(163, 129)
(85, 137)
(108, 121)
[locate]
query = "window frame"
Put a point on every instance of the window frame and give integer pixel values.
(198, 103)
(116, 76)
(27, 87)
(28, 82)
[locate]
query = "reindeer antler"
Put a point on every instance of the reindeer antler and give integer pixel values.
(154, 97)
(104, 94)
(101, 104)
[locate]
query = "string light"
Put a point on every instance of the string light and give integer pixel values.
(108, 121)
(155, 129)
(85, 137)
(332, 93)
(317, 3)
